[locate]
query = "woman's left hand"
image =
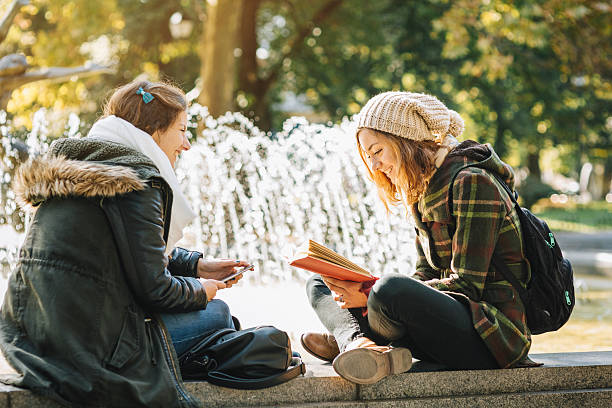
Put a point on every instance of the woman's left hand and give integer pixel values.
(219, 268)
(347, 293)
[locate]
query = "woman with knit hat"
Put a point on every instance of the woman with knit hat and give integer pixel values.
(455, 310)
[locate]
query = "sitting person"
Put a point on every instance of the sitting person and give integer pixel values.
(96, 312)
(456, 309)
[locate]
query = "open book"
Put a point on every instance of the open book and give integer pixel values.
(317, 258)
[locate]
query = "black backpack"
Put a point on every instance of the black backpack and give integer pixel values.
(549, 296)
(252, 358)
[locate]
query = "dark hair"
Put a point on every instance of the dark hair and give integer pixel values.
(157, 115)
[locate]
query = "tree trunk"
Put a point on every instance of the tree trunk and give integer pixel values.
(533, 162)
(247, 78)
(249, 81)
(217, 54)
(500, 144)
(607, 177)
(597, 186)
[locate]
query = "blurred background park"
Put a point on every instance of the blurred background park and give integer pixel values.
(274, 85)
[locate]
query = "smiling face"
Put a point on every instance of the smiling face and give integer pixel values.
(400, 167)
(173, 140)
(380, 153)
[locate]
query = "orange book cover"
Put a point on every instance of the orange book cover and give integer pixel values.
(317, 258)
(329, 269)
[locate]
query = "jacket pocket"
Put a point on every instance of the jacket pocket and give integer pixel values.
(499, 295)
(128, 342)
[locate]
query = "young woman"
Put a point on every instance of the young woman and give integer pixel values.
(456, 309)
(96, 312)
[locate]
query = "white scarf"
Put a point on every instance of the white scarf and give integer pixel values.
(114, 129)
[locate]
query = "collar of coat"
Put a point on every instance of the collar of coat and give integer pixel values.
(433, 204)
(82, 168)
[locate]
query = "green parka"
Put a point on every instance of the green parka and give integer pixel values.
(79, 321)
(456, 240)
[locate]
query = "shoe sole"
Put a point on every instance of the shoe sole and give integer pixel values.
(329, 360)
(364, 366)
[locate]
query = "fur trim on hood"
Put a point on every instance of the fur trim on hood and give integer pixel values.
(46, 177)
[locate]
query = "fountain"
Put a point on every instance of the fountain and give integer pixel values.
(259, 195)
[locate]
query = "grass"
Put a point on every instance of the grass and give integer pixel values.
(575, 217)
(576, 335)
(589, 328)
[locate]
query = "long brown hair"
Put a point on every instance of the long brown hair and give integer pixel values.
(157, 115)
(416, 166)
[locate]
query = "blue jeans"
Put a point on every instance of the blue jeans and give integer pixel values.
(187, 329)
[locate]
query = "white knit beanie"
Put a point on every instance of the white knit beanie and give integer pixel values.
(411, 115)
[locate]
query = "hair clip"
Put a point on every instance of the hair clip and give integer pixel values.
(146, 96)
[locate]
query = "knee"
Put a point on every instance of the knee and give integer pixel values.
(315, 288)
(385, 289)
(220, 308)
(389, 290)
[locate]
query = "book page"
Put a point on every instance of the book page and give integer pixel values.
(320, 251)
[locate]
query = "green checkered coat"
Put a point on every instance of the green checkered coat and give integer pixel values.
(455, 247)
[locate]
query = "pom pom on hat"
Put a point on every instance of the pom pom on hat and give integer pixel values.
(411, 115)
(456, 126)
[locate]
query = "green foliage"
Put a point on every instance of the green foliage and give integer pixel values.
(343, 61)
(151, 47)
(529, 87)
(532, 189)
(60, 33)
(533, 72)
(132, 36)
(590, 217)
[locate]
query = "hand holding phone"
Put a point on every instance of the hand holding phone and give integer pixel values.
(241, 271)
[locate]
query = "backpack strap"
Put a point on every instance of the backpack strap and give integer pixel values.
(497, 263)
(296, 368)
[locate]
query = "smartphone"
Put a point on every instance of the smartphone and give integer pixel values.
(243, 270)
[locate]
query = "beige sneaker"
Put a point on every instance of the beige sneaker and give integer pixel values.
(364, 362)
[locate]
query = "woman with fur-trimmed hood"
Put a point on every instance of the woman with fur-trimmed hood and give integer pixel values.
(96, 311)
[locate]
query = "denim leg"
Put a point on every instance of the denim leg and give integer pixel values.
(434, 325)
(345, 324)
(186, 329)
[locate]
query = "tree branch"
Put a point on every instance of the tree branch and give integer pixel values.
(13, 64)
(58, 73)
(7, 21)
(298, 41)
(10, 83)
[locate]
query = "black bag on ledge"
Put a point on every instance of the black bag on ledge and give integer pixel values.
(250, 359)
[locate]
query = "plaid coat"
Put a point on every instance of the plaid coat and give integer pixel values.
(455, 246)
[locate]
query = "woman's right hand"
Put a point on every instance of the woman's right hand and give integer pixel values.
(211, 286)
(348, 294)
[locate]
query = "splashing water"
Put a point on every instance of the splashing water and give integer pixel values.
(258, 196)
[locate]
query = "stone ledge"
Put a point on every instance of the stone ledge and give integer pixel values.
(566, 380)
(599, 398)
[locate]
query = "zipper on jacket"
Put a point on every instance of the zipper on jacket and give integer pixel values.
(148, 324)
(172, 364)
